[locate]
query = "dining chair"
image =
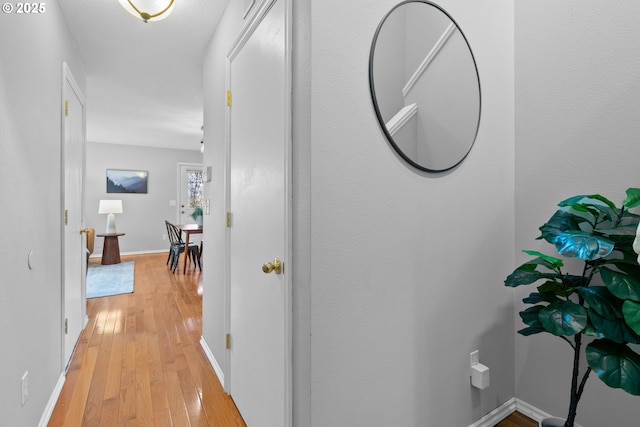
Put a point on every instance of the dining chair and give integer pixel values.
(177, 246)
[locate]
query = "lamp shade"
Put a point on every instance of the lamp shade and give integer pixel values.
(148, 10)
(110, 206)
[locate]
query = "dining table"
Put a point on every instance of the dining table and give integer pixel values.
(188, 230)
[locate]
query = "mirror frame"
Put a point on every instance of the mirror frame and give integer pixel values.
(375, 100)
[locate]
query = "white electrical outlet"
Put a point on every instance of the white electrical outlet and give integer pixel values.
(25, 387)
(164, 237)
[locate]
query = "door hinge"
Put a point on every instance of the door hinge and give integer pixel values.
(66, 108)
(228, 219)
(66, 217)
(228, 98)
(66, 326)
(228, 344)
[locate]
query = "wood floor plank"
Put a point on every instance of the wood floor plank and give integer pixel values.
(109, 414)
(75, 411)
(517, 420)
(139, 361)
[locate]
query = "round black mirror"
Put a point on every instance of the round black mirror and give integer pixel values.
(425, 86)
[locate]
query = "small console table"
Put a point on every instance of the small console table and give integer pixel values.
(110, 248)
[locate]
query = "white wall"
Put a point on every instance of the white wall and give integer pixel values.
(143, 215)
(577, 128)
(407, 267)
(397, 274)
(32, 48)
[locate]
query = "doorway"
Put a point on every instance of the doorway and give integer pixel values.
(258, 368)
(74, 267)
(190, 190)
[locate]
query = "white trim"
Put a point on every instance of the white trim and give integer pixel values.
(401, 118)
(180, 187)
(67, 78)
(508, 408)
(248, 5)
(531, 411)
(497, 415)
(51, 404)
(427, 60)
(145, 252)
(212, 360)
(154, 251)
(258, 14)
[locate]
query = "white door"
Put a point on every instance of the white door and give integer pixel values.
(190, 191)
(74, 243)
(259, 152)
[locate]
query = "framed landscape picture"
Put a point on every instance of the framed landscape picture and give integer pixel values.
(127, 181)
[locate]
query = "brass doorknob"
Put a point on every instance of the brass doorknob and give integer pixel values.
(84, 230)
(276, 266)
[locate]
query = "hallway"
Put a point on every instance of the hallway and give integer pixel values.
(139, 361)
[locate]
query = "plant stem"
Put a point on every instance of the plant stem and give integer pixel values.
(583, 382)
(575, 392)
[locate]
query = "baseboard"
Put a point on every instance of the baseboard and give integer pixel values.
(497, 415)
(530, 411)
(155, 251)
(508, 408)
(53, 399)
(212, 360)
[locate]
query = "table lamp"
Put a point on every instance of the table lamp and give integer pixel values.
(110, 207)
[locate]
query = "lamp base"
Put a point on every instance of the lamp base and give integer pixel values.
(111, 224)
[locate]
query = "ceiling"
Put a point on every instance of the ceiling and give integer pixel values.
(144, 80)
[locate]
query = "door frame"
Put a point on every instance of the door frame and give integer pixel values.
(179, 186)
(67, 78)
(239, 43)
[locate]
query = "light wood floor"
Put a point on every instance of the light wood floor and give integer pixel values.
(517, 420)
(139, 360)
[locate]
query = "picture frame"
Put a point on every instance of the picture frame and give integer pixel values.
(127, 181)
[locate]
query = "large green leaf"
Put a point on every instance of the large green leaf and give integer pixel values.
(616, 330)
(631, 313)
(587, 199)
(555, 288)
(602, 301)
(523, 276)
(552, 263)
(633, 198)
(538, 297)
(530, 318)
(563, 318)
(560, 222)
(620, 284)
(531, 330)
(620, 232)
(582, 245)
(530, 315)
(615, 364)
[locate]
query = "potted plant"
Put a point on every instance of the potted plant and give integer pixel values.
(600, 301)
(197, 215)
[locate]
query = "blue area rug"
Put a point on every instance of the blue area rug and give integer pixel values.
(105, 280)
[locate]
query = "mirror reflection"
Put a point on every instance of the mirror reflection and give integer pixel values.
(425, 86)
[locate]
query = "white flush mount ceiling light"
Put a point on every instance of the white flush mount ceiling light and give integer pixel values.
(148, 10)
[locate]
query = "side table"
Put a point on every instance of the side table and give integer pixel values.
(110, 248)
